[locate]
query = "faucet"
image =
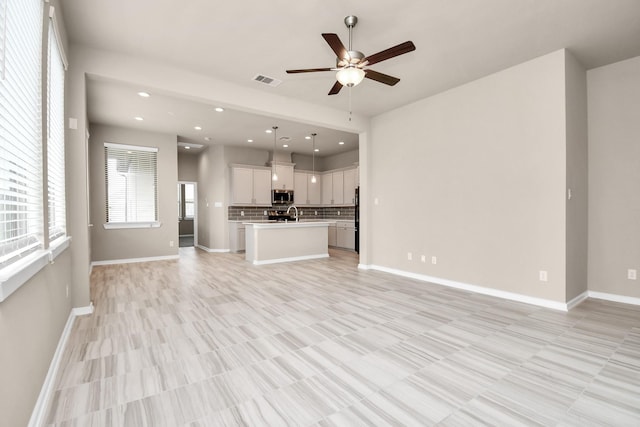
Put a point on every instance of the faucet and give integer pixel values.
(295, 209)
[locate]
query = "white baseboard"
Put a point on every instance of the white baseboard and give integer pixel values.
(132, 260)
(297, 258)
(40, 408)
(541, 302)
(577, 300)
(206, 249)
(614, 297)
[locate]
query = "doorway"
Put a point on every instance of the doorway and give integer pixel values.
(187, 214)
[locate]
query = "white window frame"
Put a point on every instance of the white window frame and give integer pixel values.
(111, 225)
(56, 194)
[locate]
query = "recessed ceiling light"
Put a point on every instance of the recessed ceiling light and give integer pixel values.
(207, 138)
(341, 143)
(144, 94)
(249, 140)
(316, 150)
(197, 128)
(268, 131)
(285, 145)
(219, 109)
(139, 118)
(307, 137)
(187, 147)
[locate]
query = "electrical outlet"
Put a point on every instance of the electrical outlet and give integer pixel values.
(423, 258)
(170, 243)
(434, 260)
(631, 274)
(241, 213)
(409, 256)
(542, 275)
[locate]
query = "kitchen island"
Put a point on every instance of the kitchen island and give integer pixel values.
(273, 242)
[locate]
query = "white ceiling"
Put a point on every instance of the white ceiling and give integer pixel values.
(457, 41)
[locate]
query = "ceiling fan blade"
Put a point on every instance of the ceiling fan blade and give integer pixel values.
(380, 77)
(336, 88)
(394, 51)
(336, 45)
(308, 70)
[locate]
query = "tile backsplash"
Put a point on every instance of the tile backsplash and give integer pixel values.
(252, 213)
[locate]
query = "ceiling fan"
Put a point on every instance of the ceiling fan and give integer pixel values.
(350, 64)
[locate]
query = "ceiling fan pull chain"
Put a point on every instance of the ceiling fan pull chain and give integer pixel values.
(350, 112)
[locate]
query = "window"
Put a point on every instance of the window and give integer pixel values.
(3, 34)
(131, 178)
(186, 201)
(55, 140)
(21, 205)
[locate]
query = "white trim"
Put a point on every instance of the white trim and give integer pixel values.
(83, 311)
(297, 258)
(56, 30)
(18, 273)
(185, 235)
(555, 305)
(40, 408)
(206, 249)
(614, 297)
(58, 246)
(122, 225)
(131, 147)
(577, 300)
(134, 260)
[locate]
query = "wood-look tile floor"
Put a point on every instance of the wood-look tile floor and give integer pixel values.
(210, 340)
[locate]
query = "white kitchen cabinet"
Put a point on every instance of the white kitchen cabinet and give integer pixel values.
(345, 235)
(350, 184)
(236, 237)
(285, 177)
(332, 234)
(338, 187)
(300, 192)
(250, 186)
(327, 189)
(314, 193)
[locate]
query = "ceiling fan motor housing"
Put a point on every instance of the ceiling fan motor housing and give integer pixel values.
(354, 57)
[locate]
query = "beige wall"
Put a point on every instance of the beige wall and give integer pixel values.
(212, 188)
(187, 167)
(576, 207)
(476, 177)
(614, 177)
(134, 243)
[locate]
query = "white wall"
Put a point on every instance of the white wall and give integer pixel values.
(614, 177)
(117, 244)
(476, 177)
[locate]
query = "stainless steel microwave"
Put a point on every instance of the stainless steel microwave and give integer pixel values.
(281, 197)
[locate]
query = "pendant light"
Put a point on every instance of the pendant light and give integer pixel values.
(313, 177)
(274, 176)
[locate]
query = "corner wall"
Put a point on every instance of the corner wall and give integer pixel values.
(480, 174)
(614, 177)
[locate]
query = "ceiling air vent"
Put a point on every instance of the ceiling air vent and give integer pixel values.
(270, 81)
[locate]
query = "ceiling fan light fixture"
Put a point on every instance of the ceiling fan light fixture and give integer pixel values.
(350, 76)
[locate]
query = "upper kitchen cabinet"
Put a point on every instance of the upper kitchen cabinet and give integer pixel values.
(250, 185)
(338, 187)
(306, 192)
(350, 184)
(285, 177)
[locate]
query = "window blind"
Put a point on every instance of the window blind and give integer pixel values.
(3, 34)
(131, 179)
(21, 226)
(55, 140)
